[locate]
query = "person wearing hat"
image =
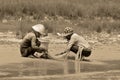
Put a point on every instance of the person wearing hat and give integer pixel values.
(30, 43)
(76, 44)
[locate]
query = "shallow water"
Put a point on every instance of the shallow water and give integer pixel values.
(42, 68)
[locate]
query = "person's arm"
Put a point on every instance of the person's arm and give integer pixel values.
(70, 44)
(33, 43)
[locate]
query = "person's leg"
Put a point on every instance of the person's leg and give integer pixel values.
(41, 52)
(25, 52)
(86, 52)
(74, 49)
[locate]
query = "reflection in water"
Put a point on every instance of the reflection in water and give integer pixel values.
(38, 68)
(65, 66)
(21, 72)
(43, 67)
(77, 66)
(71, 67)
(32, 69)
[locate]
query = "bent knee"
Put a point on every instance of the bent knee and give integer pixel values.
(86, 53)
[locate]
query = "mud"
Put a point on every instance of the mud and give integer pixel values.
(104, 58)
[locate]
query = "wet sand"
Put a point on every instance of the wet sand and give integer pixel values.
(104, 64)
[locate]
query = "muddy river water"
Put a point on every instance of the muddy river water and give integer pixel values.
(103, 59)
(42, 68)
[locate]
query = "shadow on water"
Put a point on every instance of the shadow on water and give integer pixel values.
(41, 68)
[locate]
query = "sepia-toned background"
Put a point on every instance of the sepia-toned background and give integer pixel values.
(98, 21)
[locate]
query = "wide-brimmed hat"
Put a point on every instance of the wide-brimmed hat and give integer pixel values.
(67, 31)
(39, 28)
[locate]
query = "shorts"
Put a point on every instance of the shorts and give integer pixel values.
(85, 52)
(25, 52)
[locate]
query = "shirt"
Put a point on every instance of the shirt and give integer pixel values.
(77, 40)
(30, 41)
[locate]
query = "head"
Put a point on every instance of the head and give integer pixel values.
(39, 30)
(68, 31)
